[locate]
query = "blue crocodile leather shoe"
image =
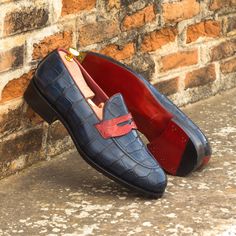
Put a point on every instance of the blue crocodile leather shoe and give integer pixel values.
(176, 142)
(102, 128)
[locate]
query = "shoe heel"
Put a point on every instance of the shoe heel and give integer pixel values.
(39, 104)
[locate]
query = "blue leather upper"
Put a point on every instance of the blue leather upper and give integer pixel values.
(126, 156)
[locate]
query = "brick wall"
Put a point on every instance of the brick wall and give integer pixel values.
(185, 48)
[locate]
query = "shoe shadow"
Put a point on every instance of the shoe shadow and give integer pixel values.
(75, 174)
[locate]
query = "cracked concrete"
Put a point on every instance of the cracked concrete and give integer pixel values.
(65, 196)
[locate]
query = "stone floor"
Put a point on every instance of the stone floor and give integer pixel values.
(65, 196)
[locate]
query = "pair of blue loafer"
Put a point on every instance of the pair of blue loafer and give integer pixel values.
(86, 96)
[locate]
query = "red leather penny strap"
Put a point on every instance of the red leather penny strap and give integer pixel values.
(111, 128)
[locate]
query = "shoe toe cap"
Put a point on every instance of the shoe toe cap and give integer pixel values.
(157, 181)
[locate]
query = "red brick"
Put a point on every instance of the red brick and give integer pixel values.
(159, 38)
(24, 19)
(119, 53)
(219, 4)
(16, 87)
(228, 66)
(224, 50)
(168, 87)
(208, 28)
(179, 59)
(48, 44)
(75, 6)
(200, 76)
(181, 10)
(97, 32)
(11, 59)
(139, 18)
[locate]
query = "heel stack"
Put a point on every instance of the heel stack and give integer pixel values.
(39, 104)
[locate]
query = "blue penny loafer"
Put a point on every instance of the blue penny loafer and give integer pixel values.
(175, 141)
(102, 128)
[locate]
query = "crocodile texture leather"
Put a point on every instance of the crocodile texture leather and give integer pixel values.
(126, 156)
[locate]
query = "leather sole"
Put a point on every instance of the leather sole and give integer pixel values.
(42, 106)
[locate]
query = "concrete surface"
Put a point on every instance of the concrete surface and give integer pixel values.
(65, 196)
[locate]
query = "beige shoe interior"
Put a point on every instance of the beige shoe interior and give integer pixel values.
(90, 90)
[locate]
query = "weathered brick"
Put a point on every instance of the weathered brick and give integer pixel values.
(113, 4)
(126, 3)
(209, 28)
(181, 10)
(25, 19)
(228, 66)
(200, 76)
(119, 52)
(29, 143)
(4, 1)
(58, 140)
(139, 18)
(143, 64)
(57, 131)
(49, 43)
(224, 50)
(219, 4)
(97, 32)
(75, 6)
(179, 59)
(10, 120)
(231, 24)
(159, 38)
(16, 87)
(32, 117)
(11, 59)
(168, 87)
